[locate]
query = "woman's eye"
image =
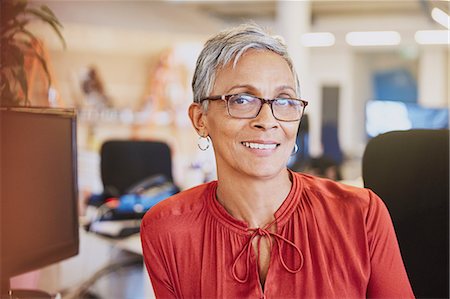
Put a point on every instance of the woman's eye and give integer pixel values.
(283, 102)
(287, 103)
(241, 100)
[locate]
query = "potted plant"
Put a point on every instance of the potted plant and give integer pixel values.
(18, 44)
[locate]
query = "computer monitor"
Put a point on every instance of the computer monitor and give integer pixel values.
(385, 116)
(38, 204)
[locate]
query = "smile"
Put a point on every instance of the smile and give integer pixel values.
(260, 145)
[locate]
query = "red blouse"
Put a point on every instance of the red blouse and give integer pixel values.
(331, 241)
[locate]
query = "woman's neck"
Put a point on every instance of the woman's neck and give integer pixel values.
(253, 200)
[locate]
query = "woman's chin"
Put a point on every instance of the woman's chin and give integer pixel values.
(264, 171)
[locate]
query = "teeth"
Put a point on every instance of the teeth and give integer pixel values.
(259, 145)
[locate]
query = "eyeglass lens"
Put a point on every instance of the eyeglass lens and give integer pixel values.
(247, 106)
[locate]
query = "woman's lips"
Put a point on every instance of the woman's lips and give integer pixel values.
(260, 145)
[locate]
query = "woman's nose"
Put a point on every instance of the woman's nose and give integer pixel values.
(265, 119)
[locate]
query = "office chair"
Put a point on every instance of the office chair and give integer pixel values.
(136, 175)
(124, 163)
(409, 170)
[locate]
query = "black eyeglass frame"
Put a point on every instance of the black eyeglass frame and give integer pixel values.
(269, 102)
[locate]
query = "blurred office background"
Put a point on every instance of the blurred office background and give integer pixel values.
(366, 67)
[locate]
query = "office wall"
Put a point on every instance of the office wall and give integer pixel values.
(124, 76)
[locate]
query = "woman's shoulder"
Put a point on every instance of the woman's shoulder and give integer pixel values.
(344, 203)
(335, 192)
(181, 205)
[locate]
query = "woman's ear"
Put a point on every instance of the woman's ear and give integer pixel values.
(198, 119)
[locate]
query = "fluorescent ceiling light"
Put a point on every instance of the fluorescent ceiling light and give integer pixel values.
(441, 17)
(432, 37)
(373, 38)
(318, 39)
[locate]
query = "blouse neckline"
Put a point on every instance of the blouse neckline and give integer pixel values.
(282, 214)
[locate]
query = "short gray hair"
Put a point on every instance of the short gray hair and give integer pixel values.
(229, 45)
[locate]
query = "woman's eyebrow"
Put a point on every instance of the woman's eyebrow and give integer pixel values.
(247, 86)
(252, 88)
(284, 87)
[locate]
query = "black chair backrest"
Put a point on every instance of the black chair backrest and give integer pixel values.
(409, 170)
(124, 163)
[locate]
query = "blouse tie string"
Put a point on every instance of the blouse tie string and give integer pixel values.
(248, 247)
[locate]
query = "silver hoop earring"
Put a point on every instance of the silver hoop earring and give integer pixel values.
(295, 149)
(203, 143)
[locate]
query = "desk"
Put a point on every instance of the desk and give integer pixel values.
(131, 244)
(96, 253)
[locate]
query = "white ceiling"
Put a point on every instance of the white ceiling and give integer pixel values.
(267, 8)
(144, 26)
(204, 17)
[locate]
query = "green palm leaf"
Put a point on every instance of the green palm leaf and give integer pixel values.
(50, 13)
(50, 20)
(17, 42)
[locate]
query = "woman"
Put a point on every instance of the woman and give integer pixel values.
(261, 230)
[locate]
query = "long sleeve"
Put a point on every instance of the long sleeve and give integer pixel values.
(388, 278)
(155, 262)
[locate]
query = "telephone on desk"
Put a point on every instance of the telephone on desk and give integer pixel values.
(120, 216)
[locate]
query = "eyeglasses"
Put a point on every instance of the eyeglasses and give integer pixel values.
(247, 106)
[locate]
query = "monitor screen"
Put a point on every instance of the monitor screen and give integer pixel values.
(385, 116)
(38, 204)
